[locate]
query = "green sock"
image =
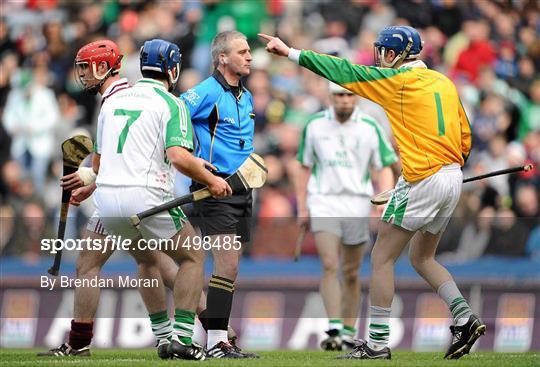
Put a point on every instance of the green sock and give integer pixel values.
(161, 327)
(184, 322)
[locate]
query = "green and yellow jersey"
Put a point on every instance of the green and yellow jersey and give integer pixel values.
(423, 106)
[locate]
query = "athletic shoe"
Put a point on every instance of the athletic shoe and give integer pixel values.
(177, 350)
(225, 350)
(163, 351)
(348, 342)
(65, 350)
(464, 337)
(231, 335)
(246, 354)
(333, 342)
(363, 351)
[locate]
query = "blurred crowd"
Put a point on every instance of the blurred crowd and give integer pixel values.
(490, 49)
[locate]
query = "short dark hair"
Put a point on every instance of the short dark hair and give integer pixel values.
(220, 44)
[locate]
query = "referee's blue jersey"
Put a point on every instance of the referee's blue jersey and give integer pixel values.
(223, 121)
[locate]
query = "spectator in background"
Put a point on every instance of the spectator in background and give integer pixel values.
(474, 238)
(379, 16)
(11, 180)
(6, 44)
(30, 117)
(527, 208)
(505, 28)
(506, 64)
(508, 235)
(364, 48)
(260, 87)
(60, 59)
(479, 53)
(495, 159)
(525, 76)
(334, 41)
(448, 15)
(31, 227)
(530, 110)
(491, 120)
(130, 63)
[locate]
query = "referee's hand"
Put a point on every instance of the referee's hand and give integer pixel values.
(219, 188)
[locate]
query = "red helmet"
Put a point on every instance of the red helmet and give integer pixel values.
(90, 56)
(98, 51)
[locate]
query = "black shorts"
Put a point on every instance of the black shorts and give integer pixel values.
(231, 215)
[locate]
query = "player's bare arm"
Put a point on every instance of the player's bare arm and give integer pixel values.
(275, 45)
(385, 179)
(186, 163)
(81, 194)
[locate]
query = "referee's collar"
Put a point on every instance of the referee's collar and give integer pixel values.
(221, 80)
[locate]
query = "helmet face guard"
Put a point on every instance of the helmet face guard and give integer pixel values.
(162, 57)
(405, 41)
(380, 55)
(88, 76)
(88, 60)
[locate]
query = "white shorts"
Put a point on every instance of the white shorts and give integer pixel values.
(346, 216)
(96, 225)
(115, 206)
(426, 205)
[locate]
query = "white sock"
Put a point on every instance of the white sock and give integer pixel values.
(336, 324)
(379, 327)
(215, 336)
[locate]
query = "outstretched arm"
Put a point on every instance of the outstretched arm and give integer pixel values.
(373, 83)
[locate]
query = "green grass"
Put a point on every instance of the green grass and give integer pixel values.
(148, 357)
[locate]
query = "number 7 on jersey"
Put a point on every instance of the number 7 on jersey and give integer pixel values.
(132, 115)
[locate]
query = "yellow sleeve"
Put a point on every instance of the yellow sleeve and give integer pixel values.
(374, 83)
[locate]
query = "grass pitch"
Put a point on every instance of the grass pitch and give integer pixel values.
(148, 357)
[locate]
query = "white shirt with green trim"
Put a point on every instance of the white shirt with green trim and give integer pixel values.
(340, 155)
(135, 127)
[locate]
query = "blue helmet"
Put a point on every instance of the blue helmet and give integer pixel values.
(404, 40)
(162, 57)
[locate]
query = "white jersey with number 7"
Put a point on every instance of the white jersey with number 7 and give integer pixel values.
(135, 127)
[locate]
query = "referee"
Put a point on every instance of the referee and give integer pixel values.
(221, 111)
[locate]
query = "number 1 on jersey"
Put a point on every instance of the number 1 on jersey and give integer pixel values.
(440, 117)
(132, 116)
